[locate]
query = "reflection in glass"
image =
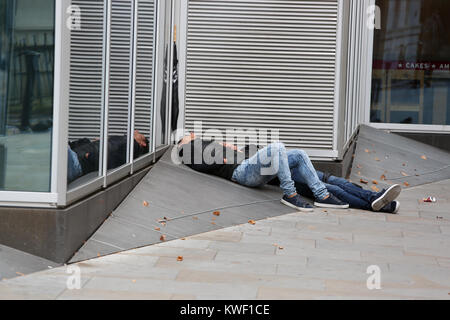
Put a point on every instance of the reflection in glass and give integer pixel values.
(26, 94)
(411, 67)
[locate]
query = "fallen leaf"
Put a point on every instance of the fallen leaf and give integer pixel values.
(404, 165)
(163, 238)
(194, 218)
(281, 248)
(383, 177)
(404, 174)
(213, 223)
(377, 159)
(375, 182)
(374, 188)
(364, 181)
(367, 151)
(424, 157)
(146, 204)
(158, 229)
(183, 239)
(216, 213)
(406, 184)
(252, 222)
(180, 259)
(20, 274)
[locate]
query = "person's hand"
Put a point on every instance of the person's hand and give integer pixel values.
(140, 139)
(232, 147)
(187, 139)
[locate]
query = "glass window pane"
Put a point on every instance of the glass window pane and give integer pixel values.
(411, 67)
(26, 94)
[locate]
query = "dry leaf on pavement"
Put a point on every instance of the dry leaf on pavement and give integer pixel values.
(252, 222)
(146, 204)
(216, 213)
(163, 238)
(180, 259)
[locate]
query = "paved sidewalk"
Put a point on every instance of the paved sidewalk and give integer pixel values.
(322, 255)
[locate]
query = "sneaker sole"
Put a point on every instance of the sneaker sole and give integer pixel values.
(331, 206)
(295, 207)
(397, 209)
(390, 195)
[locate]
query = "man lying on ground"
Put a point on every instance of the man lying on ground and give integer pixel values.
(274, 161)
(84, 154)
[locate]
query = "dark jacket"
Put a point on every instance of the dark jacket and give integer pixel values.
(209, 157)
(89, 155)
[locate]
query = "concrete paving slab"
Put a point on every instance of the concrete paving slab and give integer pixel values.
(14, 263)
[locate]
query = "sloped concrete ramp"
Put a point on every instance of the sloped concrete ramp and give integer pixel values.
(383, 158)
(14, 263)
(174, 202)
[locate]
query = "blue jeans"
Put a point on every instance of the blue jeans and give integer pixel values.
(74, 170)
(346, 191)
(275, 161)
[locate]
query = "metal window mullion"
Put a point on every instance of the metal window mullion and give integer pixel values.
(106, 84)
(154, 61)
(170, 76)
(60, 111)
(133, 75)
(157, 54)
(338, 61)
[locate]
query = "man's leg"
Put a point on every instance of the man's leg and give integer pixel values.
(338, 192)
(74, 170)
(377, 201)
(267, 164)
(257, 171)
(365, 195)
(303, 171)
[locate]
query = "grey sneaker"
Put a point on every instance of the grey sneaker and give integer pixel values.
(386, 197)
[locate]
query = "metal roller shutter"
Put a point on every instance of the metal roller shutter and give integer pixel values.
(87, 71)
(264, 64)
(120, 66)
(144, 66)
